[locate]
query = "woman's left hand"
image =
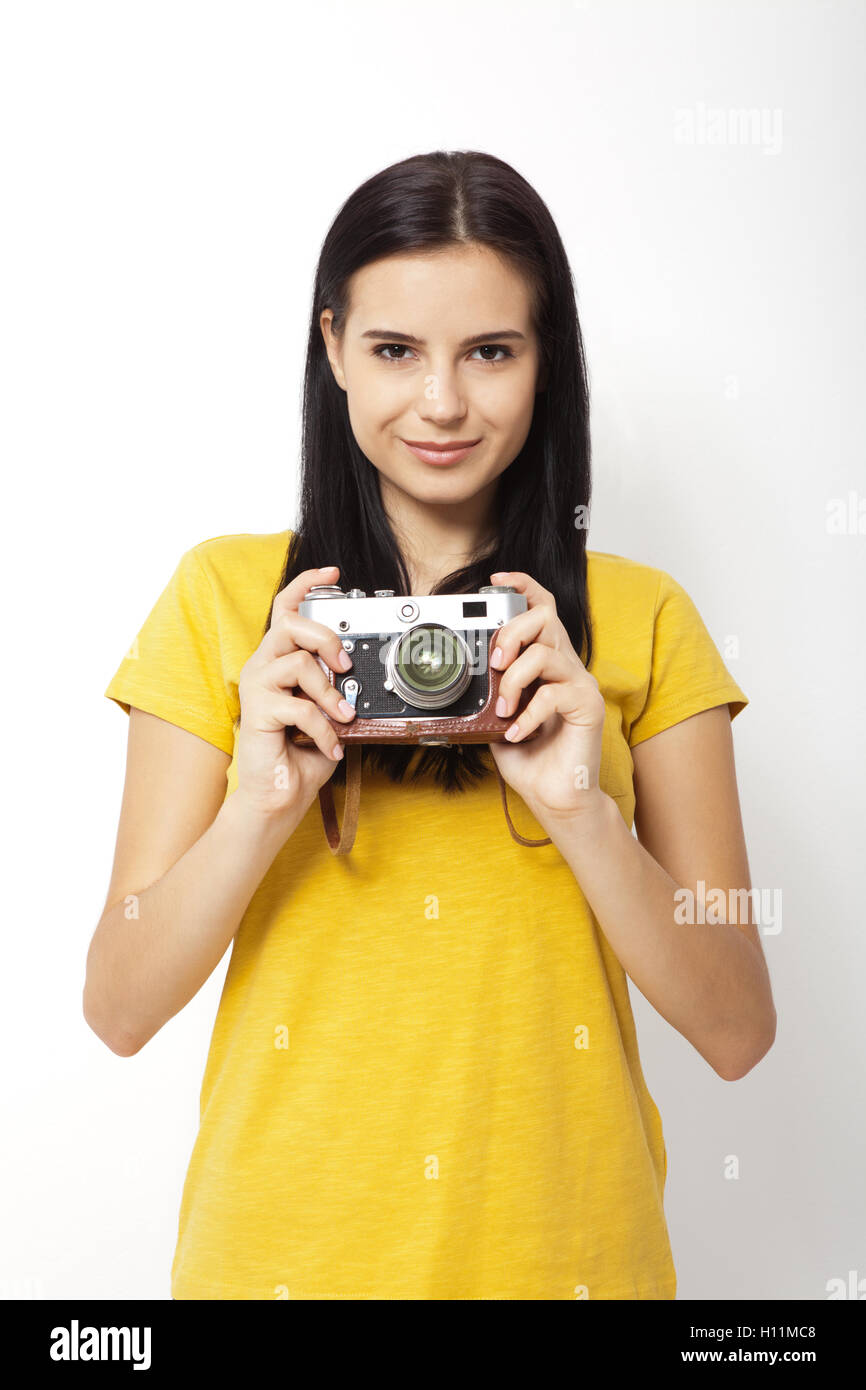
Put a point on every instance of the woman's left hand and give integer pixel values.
(556, 772)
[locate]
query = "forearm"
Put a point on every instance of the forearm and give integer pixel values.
(707, 980)
(153, 950)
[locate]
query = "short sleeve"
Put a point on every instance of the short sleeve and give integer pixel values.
(687, 673)
(174, 668)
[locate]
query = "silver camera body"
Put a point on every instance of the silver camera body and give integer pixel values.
(414, 656)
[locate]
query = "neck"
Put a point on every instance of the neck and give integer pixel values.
(435, 539)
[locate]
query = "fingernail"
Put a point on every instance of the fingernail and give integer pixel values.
(337, 751)
(345, 708)
(513, 731)
(496, 658)
(501, 706)
(345, 661)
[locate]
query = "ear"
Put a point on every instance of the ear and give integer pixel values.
(332, 346)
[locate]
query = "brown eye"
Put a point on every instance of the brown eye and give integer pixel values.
(386, 347)
(494, 347)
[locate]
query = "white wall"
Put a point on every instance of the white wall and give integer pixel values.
(169, 172)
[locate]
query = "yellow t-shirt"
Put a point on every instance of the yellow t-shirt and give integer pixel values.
(424, 1079)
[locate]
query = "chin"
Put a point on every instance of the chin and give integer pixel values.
(444, 490)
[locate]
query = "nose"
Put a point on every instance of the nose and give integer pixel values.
(441, 399)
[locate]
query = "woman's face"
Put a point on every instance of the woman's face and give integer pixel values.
(438, 348)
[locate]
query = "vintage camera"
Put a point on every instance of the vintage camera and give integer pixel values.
(421, 670)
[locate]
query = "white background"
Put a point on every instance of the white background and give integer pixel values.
(169, 172)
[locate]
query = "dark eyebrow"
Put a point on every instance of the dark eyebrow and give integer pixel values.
(393, 337)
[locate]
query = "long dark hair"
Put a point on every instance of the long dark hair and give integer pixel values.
(427, 202)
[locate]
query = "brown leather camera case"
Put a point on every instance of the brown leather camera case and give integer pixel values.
(484, 727)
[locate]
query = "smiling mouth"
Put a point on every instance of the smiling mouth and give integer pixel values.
(438, 454)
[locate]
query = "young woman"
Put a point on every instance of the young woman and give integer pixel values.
(424, 1080)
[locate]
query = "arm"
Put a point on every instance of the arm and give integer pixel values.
(189, 862)
(710, 982)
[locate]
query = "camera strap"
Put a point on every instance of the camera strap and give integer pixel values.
(341, 839)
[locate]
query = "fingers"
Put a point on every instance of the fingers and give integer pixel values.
(296, 590)
(536, 661)
(294, 654)
(290, 711)
(270, 711)
(573, 700)
(539, 624)
(526, 585)
(289, 631)
(540, 619)
(567, 688)
(546, 701)
(269, 705)
(300, 668)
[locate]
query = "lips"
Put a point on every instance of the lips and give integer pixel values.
(450, 451)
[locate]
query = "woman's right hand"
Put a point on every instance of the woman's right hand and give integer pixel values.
(274, 774)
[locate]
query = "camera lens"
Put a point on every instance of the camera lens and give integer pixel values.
(430, 666)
